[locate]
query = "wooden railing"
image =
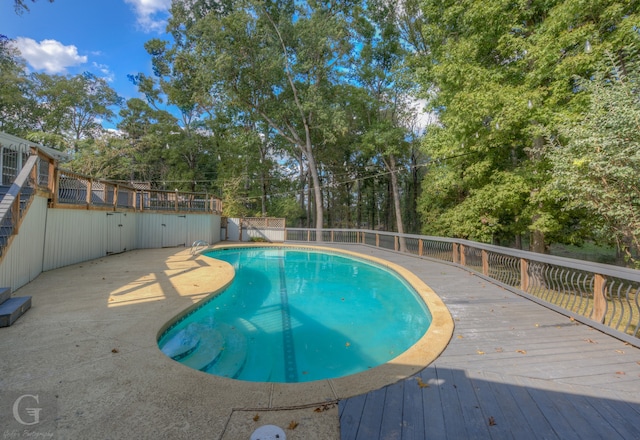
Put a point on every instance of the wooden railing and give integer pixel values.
(35, 175)
(74, 189)
(603, 296)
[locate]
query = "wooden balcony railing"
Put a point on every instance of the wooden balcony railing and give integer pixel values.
(76, 190)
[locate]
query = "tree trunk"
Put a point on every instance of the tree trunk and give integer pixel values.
(396, 202)
(359, 205)
(317, 190)
(303, 182)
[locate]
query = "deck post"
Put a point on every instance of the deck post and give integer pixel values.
(420, 246)
(524, 275)
(395, 243)
(51, 184)
(485, 263)
(463, 259)
(332, 236)
(599, 298)
(89, 191)
(308, 234)
(456, 253)
(115, 197)
(377, 240)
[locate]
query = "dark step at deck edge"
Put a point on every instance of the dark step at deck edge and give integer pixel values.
(13, 308)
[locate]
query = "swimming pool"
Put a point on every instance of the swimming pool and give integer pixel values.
(299, 315)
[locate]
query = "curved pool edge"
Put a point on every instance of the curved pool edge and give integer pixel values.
(413, 360)
(225, 279)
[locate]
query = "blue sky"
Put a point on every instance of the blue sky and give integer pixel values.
(104, 37)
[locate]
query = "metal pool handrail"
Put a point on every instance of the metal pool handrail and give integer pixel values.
(603, 296)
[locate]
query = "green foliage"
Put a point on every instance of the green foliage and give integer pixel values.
(14, 104)
(596, 161)
(501, 76)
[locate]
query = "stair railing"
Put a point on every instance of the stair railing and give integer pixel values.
(10, 212)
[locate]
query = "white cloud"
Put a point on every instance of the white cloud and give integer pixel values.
(151, 14)
(49, 55)
(104, 70)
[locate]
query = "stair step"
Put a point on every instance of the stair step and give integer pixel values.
(182, 344)
(13, 308)
(5, 294)
(210, 347)
(233, 355)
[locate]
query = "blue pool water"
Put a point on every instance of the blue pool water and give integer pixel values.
(298, 315)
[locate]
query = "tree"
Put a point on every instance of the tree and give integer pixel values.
(501, 76)
(383, 74)
(21, 6)
(72, 107)
(277, 61)
(596, 160)
(14, 83)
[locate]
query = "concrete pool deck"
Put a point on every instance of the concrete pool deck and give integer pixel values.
(88, 350)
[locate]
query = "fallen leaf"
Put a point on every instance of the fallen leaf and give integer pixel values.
(256, 417)
(537, 325)
(347, 344)
(293, 425)
(479, 351)
(591, 341)
(620, 351)
(421, 384)
(499, 350)
(621, 373)
(460, 336)
(521, 351)
(492, 421)
(115, 350)
(571, 318)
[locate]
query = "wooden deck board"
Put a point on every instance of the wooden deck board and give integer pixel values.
(372, 415)
(412, 412)
(450, 405)
(431, 402)
(539, 374)
(391, 427)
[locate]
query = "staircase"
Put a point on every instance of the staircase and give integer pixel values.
(6, 226)
(12, 308)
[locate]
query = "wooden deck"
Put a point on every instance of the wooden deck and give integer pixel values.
(513, 370)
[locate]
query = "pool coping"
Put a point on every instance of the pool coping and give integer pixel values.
(413, 360)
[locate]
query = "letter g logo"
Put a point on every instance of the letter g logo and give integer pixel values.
(34, 413)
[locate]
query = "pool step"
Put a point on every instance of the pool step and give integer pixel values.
(261, 358)
(233, 355)
(183, 343)
(219, 350)
(209, 349)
